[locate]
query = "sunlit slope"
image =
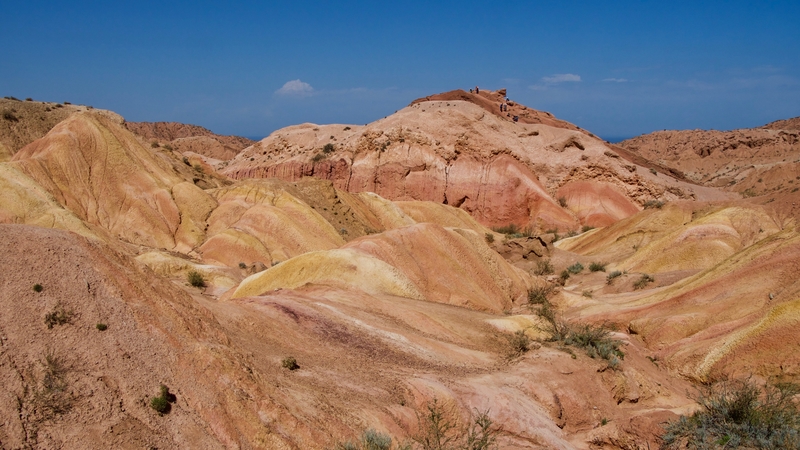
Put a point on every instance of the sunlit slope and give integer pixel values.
(452, 266)
(676, 237)
(99, 171)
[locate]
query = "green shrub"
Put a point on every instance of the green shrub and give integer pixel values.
(586, 228)
(439, 429)
(162, 403)
(588, 293)
(642, 282)
(489, 238)
(154, 144)
(196, 279)
(610, 277)
(290, 363)
(597, 342)
(242, 265)
(58, 316)
(328, 148)
(653, 171)
(544, 267)
(101, 326)
(575, 268)
(597, 266)
(37, 287)
(563, 277)
(740, 414)
(168, 147)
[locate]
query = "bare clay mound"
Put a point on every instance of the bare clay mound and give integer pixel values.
(458, 153)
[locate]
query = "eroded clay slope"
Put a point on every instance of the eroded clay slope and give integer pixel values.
(190, 138)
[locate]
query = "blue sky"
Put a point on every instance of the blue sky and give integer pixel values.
(616, 68)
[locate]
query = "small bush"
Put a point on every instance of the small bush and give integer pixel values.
(575, 268)
(610, 277)
(650, 204)
(586, 228)
(544, 267)
(162, 403)
(347, 128)
(154, 144)
(439, 429)
(588, 293)
(9, 116)
(196, 279)
(242, 265)
(562, 201)
(58, 316)
(596, 341)
(489, 238)
(518, 343)
(563, 277)
(37, 287)
(740, 414)
(168, 147)
(328, 148)
(538, 295)
(52, 395)
(597, 267)
(290, 363)
(101, 326)
(653, 171)
(642, 282)
(186, 161)
(318, 157)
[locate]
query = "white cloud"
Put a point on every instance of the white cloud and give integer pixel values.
(616, 80)
(561, 78)
(296, 88)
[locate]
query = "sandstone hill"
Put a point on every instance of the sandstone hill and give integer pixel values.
(540, 173)
(190, 138)
(388, 303)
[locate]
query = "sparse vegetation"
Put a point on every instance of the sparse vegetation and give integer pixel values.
(489, 238)
(539, 295)
(196, 279)
(650, 204)
(654, 172)
(154, 144)
(37, 287)
(575, 268)
(290, 363)
(51, 396)
(597, 266)
(318, 157)
(439, 429)
(613, 275)
(518, 343)
(370, 440)
(242, 265)
(563, 277)
(595, 340)
(586, 228)
(347, 128)
(162, 403)
(101, 326)
(58, 316)
(328, 148)
(740, 414)
(168, 147)
(544, 267)
(513, 231)
(562, 201)
(9, 116)
(643, 281)
(588, 293)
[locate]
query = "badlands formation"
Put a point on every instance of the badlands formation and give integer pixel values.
(368, 255)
